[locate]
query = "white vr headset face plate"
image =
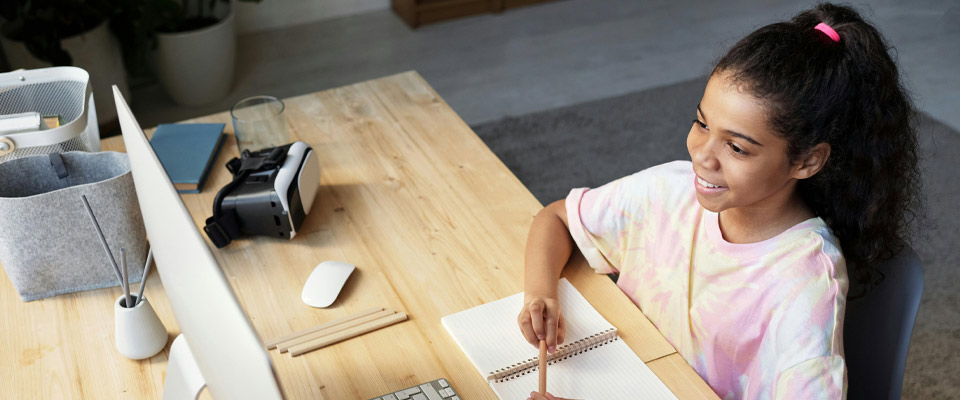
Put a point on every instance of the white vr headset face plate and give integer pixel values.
(307, 175)
(309, 181)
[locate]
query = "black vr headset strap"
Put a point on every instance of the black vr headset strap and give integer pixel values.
(223, 227)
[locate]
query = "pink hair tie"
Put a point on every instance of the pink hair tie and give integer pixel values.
(822, 27)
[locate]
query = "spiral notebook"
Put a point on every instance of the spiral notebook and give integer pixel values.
(592, 363)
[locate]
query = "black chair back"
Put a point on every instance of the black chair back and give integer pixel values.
(877, 329)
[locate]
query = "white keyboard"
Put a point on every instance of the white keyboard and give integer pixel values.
(439, 389)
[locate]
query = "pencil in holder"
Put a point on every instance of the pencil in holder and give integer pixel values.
(138, 331)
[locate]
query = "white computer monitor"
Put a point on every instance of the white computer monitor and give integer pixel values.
(223, 344)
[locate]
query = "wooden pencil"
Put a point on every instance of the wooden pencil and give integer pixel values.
(272, 344)
(347, 334)
(284, 346)
(543, 367)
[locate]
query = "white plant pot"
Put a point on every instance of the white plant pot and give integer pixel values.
(196, 67)
(97, 52)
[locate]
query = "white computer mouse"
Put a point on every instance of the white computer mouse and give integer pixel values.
(325, 282)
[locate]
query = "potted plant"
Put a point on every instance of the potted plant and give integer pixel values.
(43, 33)
(195, 51)
(135, 24)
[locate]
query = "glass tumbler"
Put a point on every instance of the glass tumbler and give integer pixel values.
(258, 123)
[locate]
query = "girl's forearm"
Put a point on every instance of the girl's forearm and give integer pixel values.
(548, 249)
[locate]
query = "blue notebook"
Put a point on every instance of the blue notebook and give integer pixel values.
(186, 152)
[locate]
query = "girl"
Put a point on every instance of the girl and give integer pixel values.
(803, 144)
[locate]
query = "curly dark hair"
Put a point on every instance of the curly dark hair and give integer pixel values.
(849, 95)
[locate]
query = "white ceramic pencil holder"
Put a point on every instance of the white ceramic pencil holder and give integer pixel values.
(139, 332)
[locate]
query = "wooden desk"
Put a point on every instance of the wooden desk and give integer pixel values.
(433, 220)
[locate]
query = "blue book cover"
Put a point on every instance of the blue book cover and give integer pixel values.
(187, 151)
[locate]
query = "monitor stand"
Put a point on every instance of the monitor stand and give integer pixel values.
(184, 380)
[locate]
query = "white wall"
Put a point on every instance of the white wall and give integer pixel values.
(274, 14)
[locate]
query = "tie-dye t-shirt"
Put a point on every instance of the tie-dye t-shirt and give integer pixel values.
(757, 321)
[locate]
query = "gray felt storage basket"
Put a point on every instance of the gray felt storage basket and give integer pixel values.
(48, 245)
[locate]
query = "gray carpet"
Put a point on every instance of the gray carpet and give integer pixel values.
(593, 143)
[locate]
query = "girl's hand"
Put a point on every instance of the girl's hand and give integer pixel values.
(547, 396)
(540, 318)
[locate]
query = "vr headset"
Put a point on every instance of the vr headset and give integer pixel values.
(270, 195)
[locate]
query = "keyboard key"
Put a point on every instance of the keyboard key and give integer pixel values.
(439, 389)
(430, 391)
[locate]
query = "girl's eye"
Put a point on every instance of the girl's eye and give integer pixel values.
(702, 125)
(736, 149)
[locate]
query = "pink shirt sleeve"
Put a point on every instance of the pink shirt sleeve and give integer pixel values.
(816, 378)
(593, 249)
(603, 220)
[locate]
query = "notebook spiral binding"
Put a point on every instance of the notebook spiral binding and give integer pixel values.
(563, 352)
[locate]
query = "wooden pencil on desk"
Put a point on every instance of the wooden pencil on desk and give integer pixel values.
(307, 340)
(286, 345)
(273, 343)
(347, 334)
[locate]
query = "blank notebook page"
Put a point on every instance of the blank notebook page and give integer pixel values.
(489, 336)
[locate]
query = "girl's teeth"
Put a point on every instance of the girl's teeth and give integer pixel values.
(705, 183)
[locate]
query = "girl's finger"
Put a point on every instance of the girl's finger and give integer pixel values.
(537, 309)
(526, 329)
(561, 329)
(551, 326)
(538, 396)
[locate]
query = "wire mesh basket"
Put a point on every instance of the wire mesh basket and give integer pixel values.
(59, 91)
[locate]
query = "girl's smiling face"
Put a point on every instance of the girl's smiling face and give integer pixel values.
(739, 162)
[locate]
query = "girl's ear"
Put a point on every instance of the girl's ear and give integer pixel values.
(812, 162)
